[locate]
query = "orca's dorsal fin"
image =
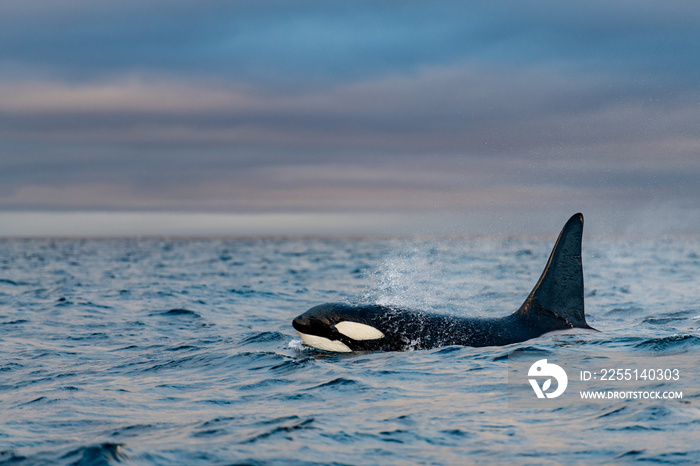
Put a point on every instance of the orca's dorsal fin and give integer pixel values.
(557, 299)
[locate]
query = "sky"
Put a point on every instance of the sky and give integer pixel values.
(271, 117)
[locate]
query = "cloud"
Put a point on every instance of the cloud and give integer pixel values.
(312, 43)
(360, 105)
(440, 110)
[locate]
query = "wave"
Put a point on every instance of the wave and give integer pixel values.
(674, 342)
(304, 424)
(180, 312)
(103, 454)
(97, 455)
(263, 337)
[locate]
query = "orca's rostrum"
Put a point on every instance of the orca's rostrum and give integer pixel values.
(555, 303)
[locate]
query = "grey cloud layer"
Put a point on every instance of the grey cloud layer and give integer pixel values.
(250, 105)
(296, 42)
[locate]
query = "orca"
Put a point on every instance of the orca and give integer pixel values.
(555, 303)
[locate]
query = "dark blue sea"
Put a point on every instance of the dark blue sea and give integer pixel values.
(162, 352)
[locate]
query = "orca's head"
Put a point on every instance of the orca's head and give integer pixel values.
(337, 327)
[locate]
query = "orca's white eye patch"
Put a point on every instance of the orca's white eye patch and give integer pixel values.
(358, 331)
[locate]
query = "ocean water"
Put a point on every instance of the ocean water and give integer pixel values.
(161, 352)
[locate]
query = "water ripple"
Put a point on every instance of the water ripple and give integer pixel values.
(162, 351)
